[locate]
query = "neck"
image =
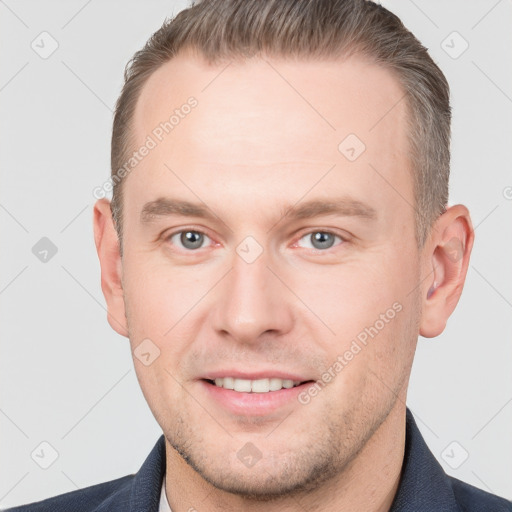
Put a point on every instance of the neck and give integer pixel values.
(369, 482)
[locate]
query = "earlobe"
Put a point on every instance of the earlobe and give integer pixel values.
(107, 247)
(447, 261)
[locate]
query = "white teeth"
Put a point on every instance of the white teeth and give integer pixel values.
(255, 386)
(260, 386)
(229, 383)
(275, 384)
(242, 385)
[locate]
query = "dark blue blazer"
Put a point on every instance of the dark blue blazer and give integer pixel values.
(424, 487)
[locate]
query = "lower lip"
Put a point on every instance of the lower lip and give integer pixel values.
(256, 404)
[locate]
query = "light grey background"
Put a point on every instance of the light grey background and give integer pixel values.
(67, 378)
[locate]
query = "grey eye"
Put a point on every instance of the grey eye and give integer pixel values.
(320, 240)
(189, 239)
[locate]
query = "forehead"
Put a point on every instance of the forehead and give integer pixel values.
(272, 125)
(296, 99)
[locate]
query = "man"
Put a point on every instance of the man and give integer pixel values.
(279, 236)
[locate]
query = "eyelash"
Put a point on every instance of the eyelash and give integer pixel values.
(342, 239)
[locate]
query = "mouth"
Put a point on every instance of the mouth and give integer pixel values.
(265, 385)
(268, 397)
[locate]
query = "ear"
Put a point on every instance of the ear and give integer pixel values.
(107, 246)
(446, 259)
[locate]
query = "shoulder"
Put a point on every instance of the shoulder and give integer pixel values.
(138, 491)
(472, 499)
(96, 498)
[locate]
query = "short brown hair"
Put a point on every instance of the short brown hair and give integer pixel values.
(220, 30)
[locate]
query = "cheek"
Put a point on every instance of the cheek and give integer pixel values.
(389, 326)
(166, 306)
(157, 302)
(371, 310)
(349, 297)
(158, 297)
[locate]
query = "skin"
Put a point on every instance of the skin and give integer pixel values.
(251, 148)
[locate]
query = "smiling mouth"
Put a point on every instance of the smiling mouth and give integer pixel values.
(266, 385)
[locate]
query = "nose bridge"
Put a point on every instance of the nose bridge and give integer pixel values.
(253, 299)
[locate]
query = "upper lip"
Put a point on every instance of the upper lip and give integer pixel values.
(262, 374)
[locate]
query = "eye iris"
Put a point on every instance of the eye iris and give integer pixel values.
(191, 239)
(321, 240)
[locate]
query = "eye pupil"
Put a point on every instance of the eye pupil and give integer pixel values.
(322, 240)
(191, 239)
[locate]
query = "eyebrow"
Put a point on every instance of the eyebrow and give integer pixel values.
(165, 207)
(345, 206)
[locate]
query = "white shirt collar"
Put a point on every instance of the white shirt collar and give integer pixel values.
(164, 504)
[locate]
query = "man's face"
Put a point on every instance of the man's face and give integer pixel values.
(264, 284)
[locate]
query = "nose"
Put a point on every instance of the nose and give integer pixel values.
(254, 303)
